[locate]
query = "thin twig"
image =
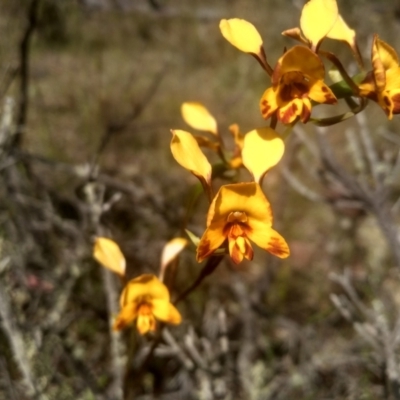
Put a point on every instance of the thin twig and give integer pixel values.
(24, 59)
(17, 343)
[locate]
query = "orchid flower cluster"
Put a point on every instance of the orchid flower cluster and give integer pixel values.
(239, 213)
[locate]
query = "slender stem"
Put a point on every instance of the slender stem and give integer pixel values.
(262, 60)
(336, 62)
(24, 58)
(211, 265)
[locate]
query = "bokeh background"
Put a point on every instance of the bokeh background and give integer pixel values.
(106, 82)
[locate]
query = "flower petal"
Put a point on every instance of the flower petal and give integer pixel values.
(317, 19)
(390, 102)
(299, 59)
(170, 251)
(393, 79)
(127, 314)
(166, 312)
(367, 87)
(242, 34)
(188, 154)
(146, 285)
(109, 255)
(306, 111)
(263, 148)
(269, 102)
(246, 197)
(211, 240)
(341, 31)
(395, 97)
(386, 53)
(239, 249)
(145, 323)
(384, 58)
(198, 117)
(268, 239)
(321, 93)
(292, 110)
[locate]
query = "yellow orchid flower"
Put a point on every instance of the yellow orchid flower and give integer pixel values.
(146, 299)
(240, 213)
(297, 79)
(109, 255)
(383, 83)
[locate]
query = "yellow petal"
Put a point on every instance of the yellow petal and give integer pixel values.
(109, 255)
(317, 19)
(166, 312)
(127, 314)
(321, 93)
(235, 253)
(242, 34)
(294, 109)
(170, 251)
(146, 285)
(341, 31)
(187, 153)
(269, 102)
(367, 87)
(263, 148)
(299, 59)
(386, 53)
(245, 197)
(268, 239)
(211, 240)
(384, 58)
(145, 323)
(240, 249)
(198, 117)
(393, 79)
(390, 102)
